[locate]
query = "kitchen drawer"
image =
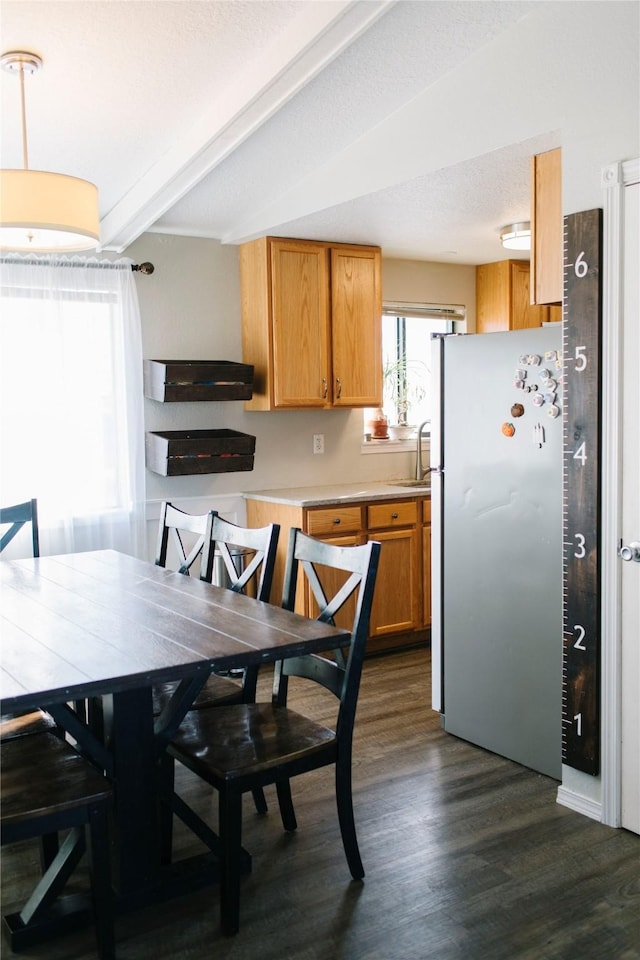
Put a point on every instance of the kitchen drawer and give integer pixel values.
(333, 520)
(383, 515)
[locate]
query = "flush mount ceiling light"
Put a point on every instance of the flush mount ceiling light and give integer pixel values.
(516, 236)
(42, 211)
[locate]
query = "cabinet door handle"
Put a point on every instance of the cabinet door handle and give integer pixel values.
(339, 388)
(394, 516)
(336, 520)
(325, 388)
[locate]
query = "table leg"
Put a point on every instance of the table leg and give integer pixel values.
(131, 738)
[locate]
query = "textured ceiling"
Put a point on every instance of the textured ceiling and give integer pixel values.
(360, 120)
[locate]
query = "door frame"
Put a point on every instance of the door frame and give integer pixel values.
(615, 178)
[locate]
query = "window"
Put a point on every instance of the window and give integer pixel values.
(406, 357)
(71, 400)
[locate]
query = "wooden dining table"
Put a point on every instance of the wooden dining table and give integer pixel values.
(104, 627)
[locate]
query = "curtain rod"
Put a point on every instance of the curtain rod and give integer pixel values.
(146, 268)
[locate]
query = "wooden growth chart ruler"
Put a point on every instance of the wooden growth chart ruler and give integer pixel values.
(582, 347)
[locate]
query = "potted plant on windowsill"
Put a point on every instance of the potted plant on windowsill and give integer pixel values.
(403, 387)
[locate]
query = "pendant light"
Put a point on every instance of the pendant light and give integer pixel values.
(516, 236)
(42, 211)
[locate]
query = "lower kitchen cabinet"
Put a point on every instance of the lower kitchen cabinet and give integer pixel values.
(401, 612)
(396, 607)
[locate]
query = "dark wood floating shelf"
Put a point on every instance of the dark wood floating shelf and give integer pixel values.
(175, 453)
(172, 381)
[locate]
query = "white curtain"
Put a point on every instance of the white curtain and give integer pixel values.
(71, 400)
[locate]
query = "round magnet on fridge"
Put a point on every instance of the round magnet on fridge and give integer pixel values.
(517, 410)
(508, 429)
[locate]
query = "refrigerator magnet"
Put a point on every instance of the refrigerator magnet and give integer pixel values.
(538, 435)
(508, 429)
(551, 354)
(537, 399)
(534, 360)
(517, 410)
(553, 411)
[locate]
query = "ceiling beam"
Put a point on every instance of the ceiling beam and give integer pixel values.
(445, 125)
(318, 35)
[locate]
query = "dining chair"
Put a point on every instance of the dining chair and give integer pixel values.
(242, 747)
(175, 529)
(67, 796)
(231, 544)
(15, 518)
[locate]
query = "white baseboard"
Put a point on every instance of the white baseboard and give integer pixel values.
(579, 804)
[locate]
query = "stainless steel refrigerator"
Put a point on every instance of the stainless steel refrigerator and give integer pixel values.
(496, 500)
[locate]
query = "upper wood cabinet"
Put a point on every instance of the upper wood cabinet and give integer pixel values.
(502, 297)
(311, 323)
(546, 227)
(356, 326)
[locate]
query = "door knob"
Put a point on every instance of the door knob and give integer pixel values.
(630, 551)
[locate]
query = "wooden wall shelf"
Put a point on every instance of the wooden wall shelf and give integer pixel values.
(172, 381)
(181, 452)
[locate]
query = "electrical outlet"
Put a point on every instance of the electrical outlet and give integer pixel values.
(318, 443)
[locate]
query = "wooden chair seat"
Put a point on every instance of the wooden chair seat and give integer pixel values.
(47, 787)
(25, 724)
(251, 741)
(217, 690)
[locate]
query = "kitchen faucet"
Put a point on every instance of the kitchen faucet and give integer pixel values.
(421, 472)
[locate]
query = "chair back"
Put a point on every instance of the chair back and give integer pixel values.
(16, 516)
(342, 675)
(174, 524)
(224, 536)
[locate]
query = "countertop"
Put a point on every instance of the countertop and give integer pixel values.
(316, 496)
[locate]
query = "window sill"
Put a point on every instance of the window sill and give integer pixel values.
(393, 446)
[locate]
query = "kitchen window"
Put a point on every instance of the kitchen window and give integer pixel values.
(406, 358)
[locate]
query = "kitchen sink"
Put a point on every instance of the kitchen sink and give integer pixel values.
(425, 484)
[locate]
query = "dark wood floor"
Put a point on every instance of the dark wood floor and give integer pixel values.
(468, 857)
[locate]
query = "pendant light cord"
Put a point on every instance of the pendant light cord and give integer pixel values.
(25, 154)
